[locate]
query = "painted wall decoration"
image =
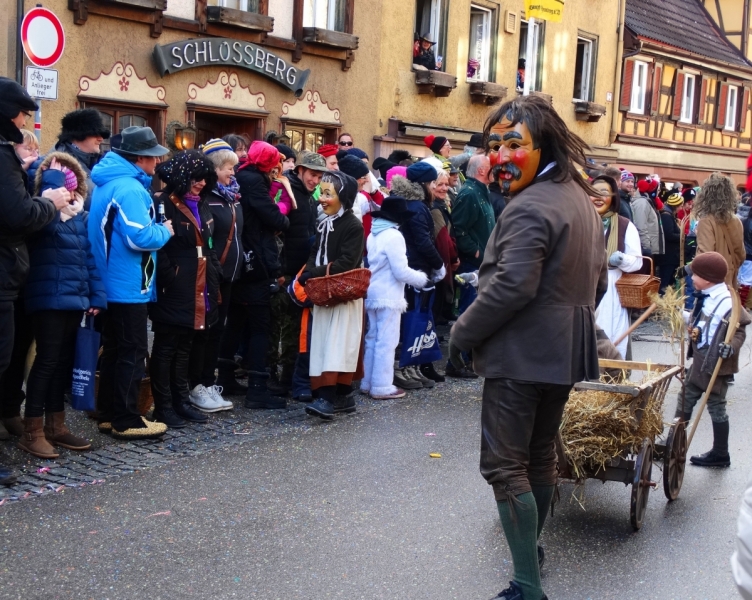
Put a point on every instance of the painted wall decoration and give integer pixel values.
(311, 108)
(121, 83)
(227, 92)
(206, 52)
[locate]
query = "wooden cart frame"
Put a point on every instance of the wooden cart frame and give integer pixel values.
(636, 469)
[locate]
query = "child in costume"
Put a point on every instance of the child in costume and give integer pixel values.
(708, 324)
(386, 297)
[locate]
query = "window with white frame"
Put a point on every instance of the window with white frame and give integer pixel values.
(430, 22)
(639, 88)
(731, 104)
(480, 52)
(533, 63)
(688, 99)
(584, 70)
(324, 14)
(246, 5)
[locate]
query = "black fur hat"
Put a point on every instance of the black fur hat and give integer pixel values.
(82, 123)
(399, 156)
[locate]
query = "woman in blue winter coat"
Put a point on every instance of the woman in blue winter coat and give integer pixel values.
(63, 285)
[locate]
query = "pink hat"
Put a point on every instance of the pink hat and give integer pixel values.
(71, 182)
(263, 155)
(398, 170)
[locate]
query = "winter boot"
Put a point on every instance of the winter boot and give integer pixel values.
(430, 372)
(226, 378)
(185, 410)
(719, 455)
(58, 434)
(344, 404)
(323, 407)
(402, 379)
(417, 375)
(14, 425)
(33, 440)
(258, 396)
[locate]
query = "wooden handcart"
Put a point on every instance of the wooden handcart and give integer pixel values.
(632, 467)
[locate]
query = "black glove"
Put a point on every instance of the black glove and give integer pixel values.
(304, 277)
(725, 350)
(681, 272)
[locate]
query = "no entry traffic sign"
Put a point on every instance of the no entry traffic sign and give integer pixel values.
(42, 36)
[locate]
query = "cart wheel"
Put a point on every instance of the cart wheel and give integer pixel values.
(641, 484)
(675, 459)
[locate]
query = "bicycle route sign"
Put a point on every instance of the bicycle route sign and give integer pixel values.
(41, 83)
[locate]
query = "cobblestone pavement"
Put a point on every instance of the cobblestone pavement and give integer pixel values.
(110, 458)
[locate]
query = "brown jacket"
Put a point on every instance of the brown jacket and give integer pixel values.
(543, 272)
(725, 238)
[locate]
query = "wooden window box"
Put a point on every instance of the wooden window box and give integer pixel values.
(485, 92)
(327, 37)
(239, 18)
(435, 82)
(148, 4)
(589, 111)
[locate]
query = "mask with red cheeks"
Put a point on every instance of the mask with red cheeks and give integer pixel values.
(514, 156)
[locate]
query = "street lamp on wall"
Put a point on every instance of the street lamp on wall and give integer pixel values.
(180, 136)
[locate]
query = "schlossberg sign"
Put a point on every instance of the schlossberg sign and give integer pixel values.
(205, 52)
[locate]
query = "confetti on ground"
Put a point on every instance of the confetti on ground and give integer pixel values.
(430, 434)
(166, 513)
(435, 455)
(43, 470)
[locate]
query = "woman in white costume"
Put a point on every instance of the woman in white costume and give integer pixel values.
(624, 256)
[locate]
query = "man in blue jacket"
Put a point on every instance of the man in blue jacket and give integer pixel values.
(124, 239)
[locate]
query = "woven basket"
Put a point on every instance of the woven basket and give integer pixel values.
(634, 288)
(145, 399)
(332, 290)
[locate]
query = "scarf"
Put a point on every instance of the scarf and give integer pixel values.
(230, 192)
(325, 227)
(191, 202)
(72, 209)
(378, 225)
(611, 229)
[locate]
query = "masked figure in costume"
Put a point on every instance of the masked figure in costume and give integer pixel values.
(532, 327)
(336, 347)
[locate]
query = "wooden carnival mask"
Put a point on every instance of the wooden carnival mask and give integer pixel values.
(514, 156)
(329, 199)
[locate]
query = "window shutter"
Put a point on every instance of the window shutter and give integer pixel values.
(655, 98)
(720, 109)
(676, 109)
(702, 101)
(741, 120)
(625, 100)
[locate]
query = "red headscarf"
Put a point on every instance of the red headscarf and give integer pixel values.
(328, 150)
(264, 156)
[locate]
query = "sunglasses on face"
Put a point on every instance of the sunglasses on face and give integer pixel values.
(345, 143)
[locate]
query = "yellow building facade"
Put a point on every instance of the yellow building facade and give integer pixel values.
(232, 66)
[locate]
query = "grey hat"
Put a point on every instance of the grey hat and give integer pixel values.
(140, 141)
(311, 160)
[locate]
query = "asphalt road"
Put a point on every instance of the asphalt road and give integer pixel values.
(357, 509)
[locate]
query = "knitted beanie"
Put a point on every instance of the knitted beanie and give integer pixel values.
(435, 143)
(71, 182)
(215, 145)
(421, 172)
(328, 150)
(626, 175)
(357, 153)
(353, 167)
(263, 155)
(286, 151)
(711, 266)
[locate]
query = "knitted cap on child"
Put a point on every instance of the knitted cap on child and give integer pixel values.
(711, 266)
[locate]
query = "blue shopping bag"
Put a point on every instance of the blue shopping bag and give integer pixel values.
(420, 344)
(85, 366)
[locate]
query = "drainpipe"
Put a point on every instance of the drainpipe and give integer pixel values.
(19, 45)
(617, 72)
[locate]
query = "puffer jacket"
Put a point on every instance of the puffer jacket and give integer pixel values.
(63, 274)
(189, 274)
(20, 216)
(222, 210)
(302, 231)
(418, 231)
(122, 230)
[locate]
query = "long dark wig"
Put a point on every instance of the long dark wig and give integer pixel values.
(550, 134)
(185, 167)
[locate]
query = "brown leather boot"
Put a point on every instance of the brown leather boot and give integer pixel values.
(14, 425)
(33, 440)
(58, 434)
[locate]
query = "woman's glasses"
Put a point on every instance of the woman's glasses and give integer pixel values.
(345, 143)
